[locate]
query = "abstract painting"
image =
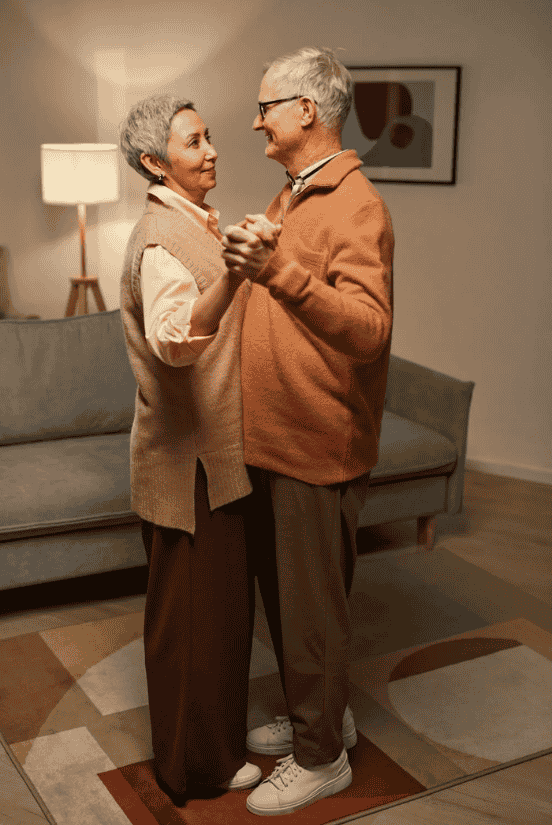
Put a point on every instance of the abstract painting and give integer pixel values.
(404, 122)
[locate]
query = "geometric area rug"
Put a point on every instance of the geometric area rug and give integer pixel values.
(74, 717)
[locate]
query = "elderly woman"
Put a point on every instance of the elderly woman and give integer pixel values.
(182, 311)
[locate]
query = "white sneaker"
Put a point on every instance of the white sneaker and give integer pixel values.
(276, 738)
(246, 777)
(291, 787)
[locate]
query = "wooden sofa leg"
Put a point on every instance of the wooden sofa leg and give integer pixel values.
(426, 532)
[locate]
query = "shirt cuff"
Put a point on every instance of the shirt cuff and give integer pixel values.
(172, 342)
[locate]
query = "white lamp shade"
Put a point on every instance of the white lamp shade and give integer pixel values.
(79, 172)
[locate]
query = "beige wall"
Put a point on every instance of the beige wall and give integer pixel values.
(45, 96)
(473, 286)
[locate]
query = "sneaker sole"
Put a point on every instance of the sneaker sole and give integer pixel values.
(349, 741)
(342, 781)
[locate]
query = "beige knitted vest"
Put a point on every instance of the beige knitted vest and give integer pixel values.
(183, 414)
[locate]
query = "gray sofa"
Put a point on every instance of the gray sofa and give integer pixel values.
(66, 409)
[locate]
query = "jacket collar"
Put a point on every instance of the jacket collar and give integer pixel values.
(334, 171)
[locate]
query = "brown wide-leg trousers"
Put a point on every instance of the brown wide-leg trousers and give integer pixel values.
(197, 638)
(305, 539)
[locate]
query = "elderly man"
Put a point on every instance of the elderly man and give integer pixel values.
(315, 353)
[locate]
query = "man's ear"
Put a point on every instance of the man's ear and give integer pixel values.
(308, 114)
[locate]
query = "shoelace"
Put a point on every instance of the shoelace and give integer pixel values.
(286, 771)
(281, 722)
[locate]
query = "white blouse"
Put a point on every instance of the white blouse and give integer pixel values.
(169, 290)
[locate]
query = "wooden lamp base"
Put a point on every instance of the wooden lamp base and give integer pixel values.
(78, 299)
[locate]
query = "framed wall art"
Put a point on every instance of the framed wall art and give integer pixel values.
(404, 122)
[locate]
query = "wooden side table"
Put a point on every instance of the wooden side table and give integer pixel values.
(78, 297)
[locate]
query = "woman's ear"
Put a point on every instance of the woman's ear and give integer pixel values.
(152, 164)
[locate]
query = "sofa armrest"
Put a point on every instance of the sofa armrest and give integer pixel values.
(438, 401)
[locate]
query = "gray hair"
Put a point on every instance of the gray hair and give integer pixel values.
(317, 73)
(147, 130)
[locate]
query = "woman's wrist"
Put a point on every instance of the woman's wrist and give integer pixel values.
(234, 281)
(213, 303)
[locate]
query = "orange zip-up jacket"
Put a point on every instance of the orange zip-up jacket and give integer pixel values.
(317, 331)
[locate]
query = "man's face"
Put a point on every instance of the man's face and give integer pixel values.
(281, 123)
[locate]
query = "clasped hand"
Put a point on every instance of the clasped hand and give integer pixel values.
(249, 244)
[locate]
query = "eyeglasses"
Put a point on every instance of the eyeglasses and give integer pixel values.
(262, 106)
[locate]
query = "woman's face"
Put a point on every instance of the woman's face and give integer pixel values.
(191, 169)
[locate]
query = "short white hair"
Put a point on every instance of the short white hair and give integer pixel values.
(147, 129)
(317, 73)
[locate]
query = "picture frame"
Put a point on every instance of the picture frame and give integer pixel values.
(404, 122)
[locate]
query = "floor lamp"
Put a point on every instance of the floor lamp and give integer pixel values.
(80, 174)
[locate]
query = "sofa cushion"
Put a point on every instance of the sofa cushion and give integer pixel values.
(68, 484)
(409, 449)
(64, 377)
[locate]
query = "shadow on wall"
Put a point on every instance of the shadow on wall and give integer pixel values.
(6, 306)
